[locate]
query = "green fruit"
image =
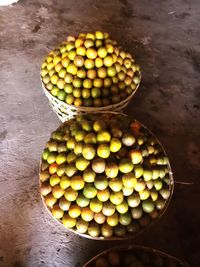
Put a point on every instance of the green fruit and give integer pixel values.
(122, 207)
(148, 206)
(116, 197)
(158, 184)
(115, 145)
(82, 163)
(98, 165)
(95, 92)
(89, 191)
(101, 182)
(111, 170)
(125, 165)
(88, 151)
(82, 201)
(125, 219)
(45, 154)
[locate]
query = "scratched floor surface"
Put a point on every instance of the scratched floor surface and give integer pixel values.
(164, 37)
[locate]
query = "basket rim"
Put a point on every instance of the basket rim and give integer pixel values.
(135, 247)
(90, 109)
(128, 236)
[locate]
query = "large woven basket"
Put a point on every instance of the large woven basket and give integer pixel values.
(129, 236)
(139, 249)
(65, 111)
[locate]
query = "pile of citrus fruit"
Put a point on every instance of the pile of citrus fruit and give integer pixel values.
(90, 71)
(134, 257)
(104, 175)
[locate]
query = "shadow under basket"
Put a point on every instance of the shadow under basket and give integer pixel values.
(66, 112)
(132, 251)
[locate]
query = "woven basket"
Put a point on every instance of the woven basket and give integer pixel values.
(134, 248)
(130, 236)
(66, 112)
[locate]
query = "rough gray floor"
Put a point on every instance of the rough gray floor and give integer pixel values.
(164, 37)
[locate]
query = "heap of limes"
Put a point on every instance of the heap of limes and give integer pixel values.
(104, 175)
(90, 70)
(134, 257)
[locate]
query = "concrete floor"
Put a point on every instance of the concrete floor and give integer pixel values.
(164, 37)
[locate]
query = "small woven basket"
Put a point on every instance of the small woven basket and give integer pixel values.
(66, 112)
(132, 249)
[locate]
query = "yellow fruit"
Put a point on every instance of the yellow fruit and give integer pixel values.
(129, 180)
(108, 61)
(57, 191)
(91, 53)
(57, 212)
(79, 61)
(77, 182)
(74, 211)
(102, 52)
(113, 220)
(50, 200)
(72, 69)
(98, 62)
(68, 221)
(99, 218)
(136, 156)
(96, 205)
(115, 145)
(86, 214)
(54, 180)
(45, 189)
(64, 204)
(82, 226)
(70, 194)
